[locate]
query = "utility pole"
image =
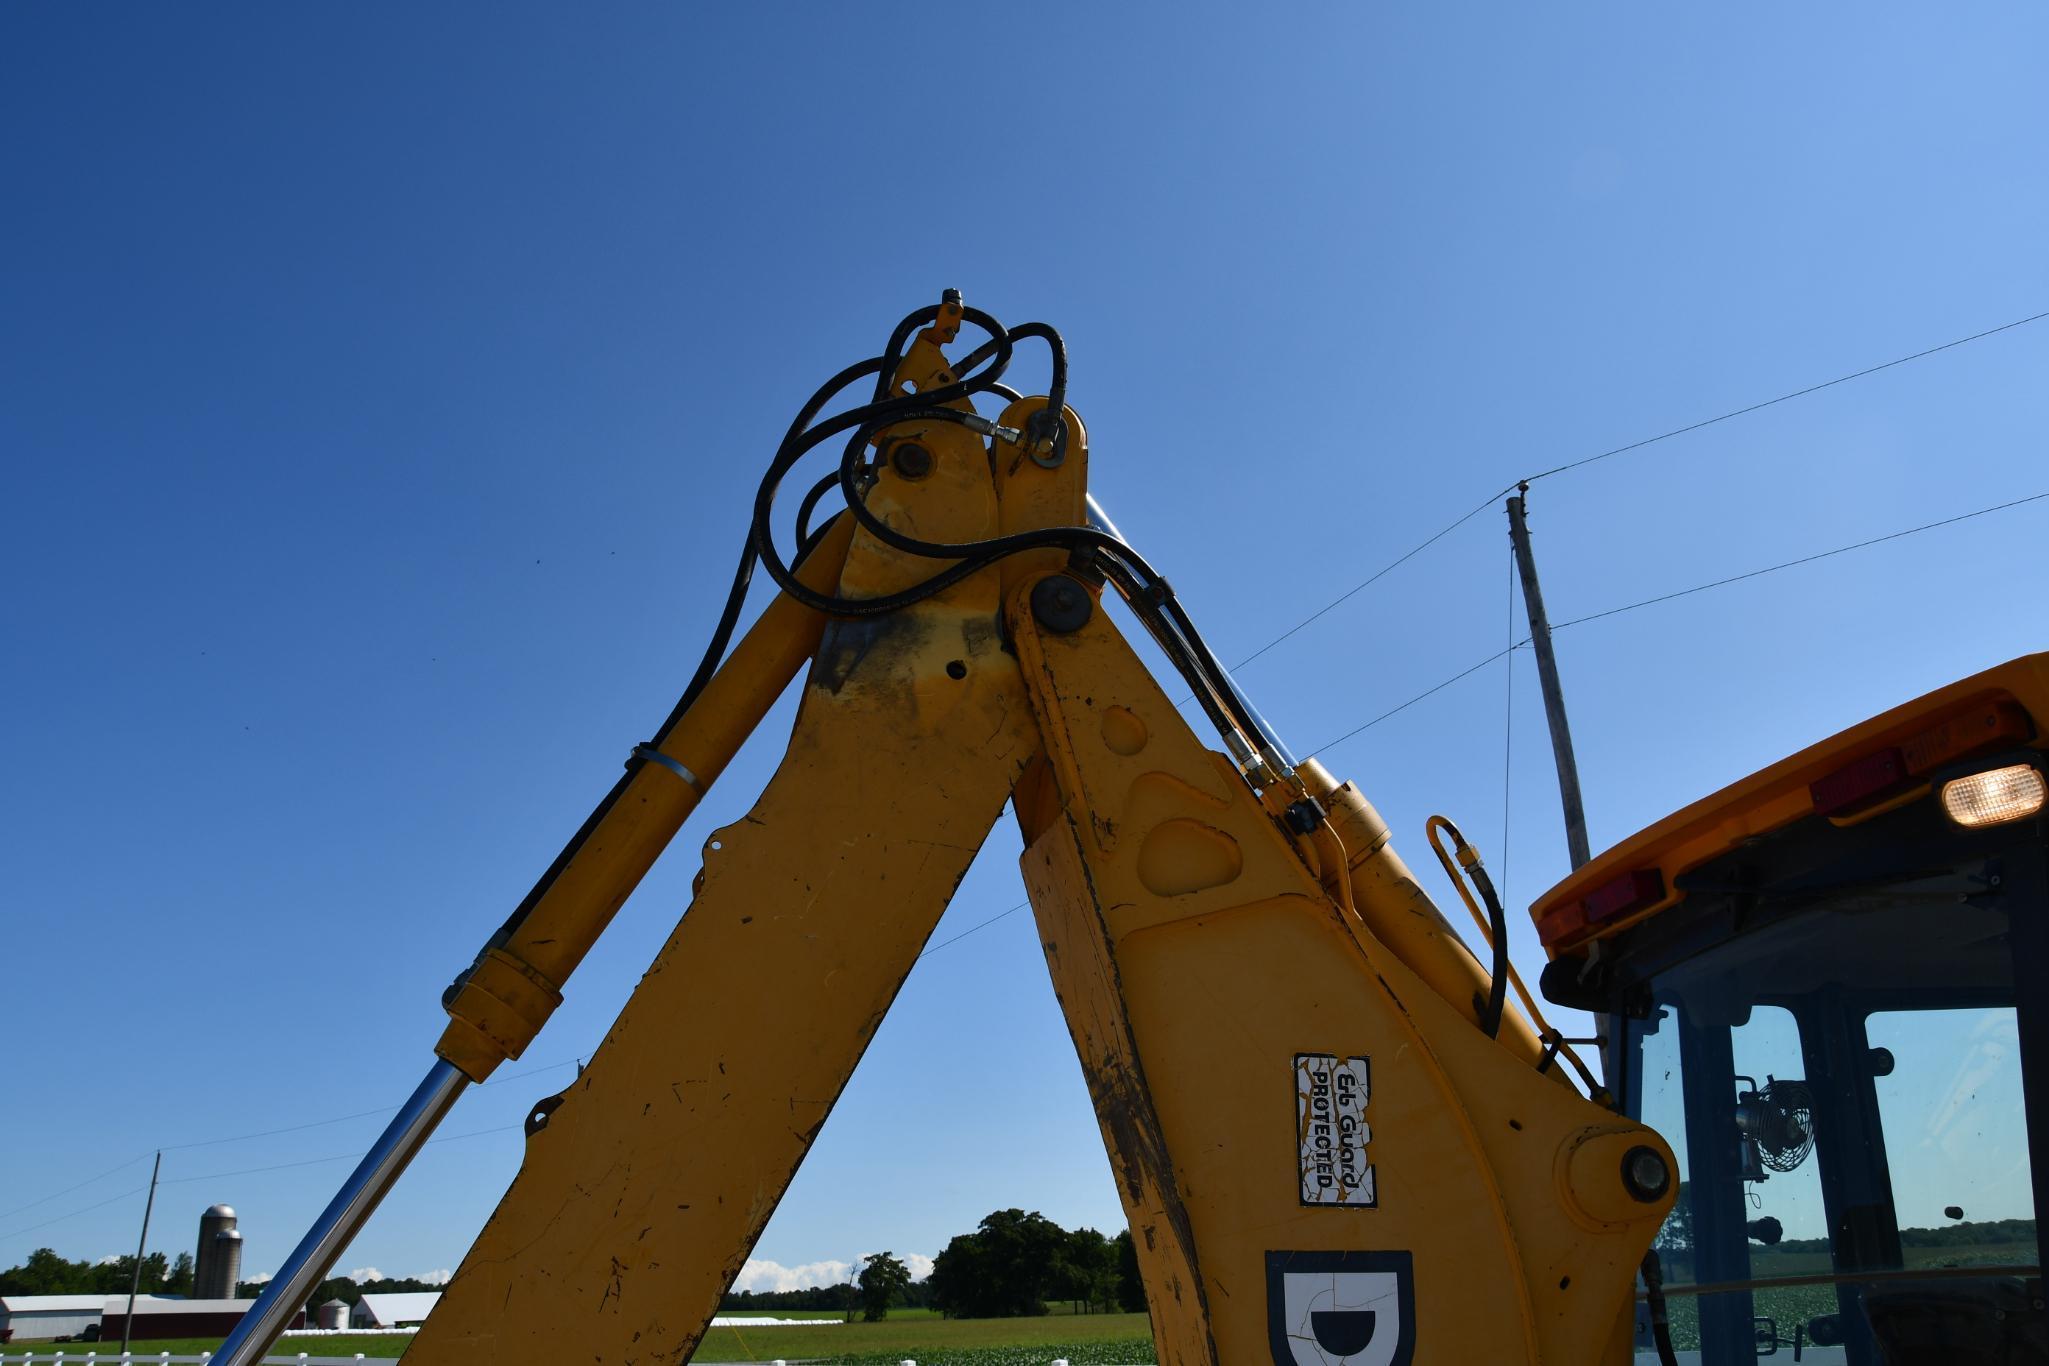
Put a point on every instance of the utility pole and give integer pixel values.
(1547, 675)
(135, 1280)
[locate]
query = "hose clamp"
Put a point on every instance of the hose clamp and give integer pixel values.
(655, 756)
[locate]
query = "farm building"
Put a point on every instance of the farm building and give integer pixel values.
(395, 1310)
(165, 1318)
(37, 1318)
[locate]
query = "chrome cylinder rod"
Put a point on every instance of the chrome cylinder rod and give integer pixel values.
(343, 1218)
(1100, 519)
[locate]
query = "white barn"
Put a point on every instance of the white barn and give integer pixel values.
(398, 1309)
(33, 1318)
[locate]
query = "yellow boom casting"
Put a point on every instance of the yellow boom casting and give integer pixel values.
(1328, 1146)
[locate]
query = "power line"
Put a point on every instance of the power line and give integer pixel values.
(337, 1157)
(1787, 397)
(273, 1133)
(972, 928)
(249, 1171)
(360, 1114)
(1427, 692)
(343, 1119)
(23, 1209)
(241, 1138)
(15, 1233)
(1681, 593)
(1804, 559)
(1323, 748)
(1454, 525)
(1368, 582)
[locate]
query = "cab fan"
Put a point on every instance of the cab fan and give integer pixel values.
(1778, 1119)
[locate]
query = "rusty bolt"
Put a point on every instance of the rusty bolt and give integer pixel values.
(910, 460)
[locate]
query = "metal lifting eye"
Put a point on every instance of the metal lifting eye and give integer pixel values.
(537, 1117)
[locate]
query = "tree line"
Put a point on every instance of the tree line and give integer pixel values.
(342, 1288)
(1015, 1262)
(1676, 1237)
(46, 1273)
(1011, 1266)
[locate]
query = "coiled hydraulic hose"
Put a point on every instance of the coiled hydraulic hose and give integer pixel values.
(1494, 929)
(980, 371)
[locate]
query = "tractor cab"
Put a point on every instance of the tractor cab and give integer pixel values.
(1828, 987)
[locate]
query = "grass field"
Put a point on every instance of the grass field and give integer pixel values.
(919, 1335)
(1094, 1339)
(1796, 1304)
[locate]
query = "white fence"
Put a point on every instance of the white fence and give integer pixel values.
(78, 1354)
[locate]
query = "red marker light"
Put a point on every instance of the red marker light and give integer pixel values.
(1631, 892)
(1859, 781)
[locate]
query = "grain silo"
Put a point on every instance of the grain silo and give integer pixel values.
(333, 1314)
(227, 1261)
(218, 1261)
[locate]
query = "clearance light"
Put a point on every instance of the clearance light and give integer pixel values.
(1995, 796)
(1633, 891)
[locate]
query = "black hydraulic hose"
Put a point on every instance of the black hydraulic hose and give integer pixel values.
(1052, 422)
(1653, 1273)
(976, 357)
(979, 371)
(1497, 924)
(1151, 593)
(707, 665)
(818, 490)
(736, 595)
(862, 422)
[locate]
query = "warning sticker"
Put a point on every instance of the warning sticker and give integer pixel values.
(1330, 1122)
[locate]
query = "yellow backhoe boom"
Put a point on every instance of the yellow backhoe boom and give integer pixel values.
(1326, 1149)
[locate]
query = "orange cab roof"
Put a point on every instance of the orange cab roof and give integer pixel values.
(2003, 707)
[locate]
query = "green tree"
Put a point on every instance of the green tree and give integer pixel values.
(882, 1279)
(113, 1278)
(1676, 1236)
(179, 1282)
(45, 1273)
(333, 1288)
(1130, 1284)
(1085, 1272)
(1004, 1269)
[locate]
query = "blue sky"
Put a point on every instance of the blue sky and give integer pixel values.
(385, 389)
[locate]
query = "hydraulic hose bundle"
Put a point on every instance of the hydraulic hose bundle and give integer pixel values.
(1259, 752)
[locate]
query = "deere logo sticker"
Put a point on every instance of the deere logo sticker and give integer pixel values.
(1341, 1308)
(1330, 1122)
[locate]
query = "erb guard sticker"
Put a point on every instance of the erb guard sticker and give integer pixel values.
(1330, 1122)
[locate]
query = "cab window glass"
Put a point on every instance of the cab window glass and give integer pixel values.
(1663, 1108)
(1771, 1107)
(1956, 1143)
